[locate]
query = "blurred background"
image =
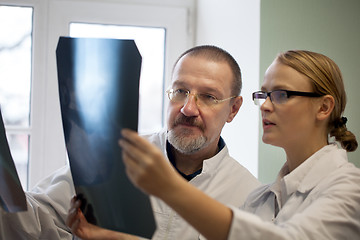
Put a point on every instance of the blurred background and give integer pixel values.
(253, 31)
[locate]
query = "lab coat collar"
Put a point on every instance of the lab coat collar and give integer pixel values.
(307, 175)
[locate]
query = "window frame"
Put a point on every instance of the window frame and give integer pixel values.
(51, 19)
(34, 130)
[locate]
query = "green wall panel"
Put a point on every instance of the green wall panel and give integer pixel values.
(331, 27)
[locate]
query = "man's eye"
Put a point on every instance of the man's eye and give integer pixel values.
(180, 92)
(207, 97)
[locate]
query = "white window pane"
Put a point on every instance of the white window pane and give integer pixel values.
(15, 81)
(15, 64)
(19, 148)
(151, 44)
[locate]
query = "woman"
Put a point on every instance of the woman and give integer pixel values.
(317, 192)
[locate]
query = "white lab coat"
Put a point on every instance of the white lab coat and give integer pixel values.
(320, 199)
(222, 178)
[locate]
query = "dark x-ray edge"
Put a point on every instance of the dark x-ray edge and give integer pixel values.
(12, 196)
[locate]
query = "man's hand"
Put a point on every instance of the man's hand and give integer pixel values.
(80, 227)
(78, 224)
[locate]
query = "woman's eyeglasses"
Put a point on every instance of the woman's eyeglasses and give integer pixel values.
(279, 96)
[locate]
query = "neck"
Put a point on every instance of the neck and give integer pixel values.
(296, 155)
(190, 163)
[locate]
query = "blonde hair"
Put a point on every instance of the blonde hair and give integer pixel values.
(326, 79)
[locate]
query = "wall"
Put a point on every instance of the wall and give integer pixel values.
(330, 27)
(234, 26)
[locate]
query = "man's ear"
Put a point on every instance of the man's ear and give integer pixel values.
(237, 102)
(327, 104)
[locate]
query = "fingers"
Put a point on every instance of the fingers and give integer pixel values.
(145, 164)
(134, 139)
(74, 214)
(130, 152)
(138, 148)
(132, 168)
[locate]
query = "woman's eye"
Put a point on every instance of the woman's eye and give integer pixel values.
(282, 95)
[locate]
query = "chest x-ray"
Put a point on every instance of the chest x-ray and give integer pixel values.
(99, 95)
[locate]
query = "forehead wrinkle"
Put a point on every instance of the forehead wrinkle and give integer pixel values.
(199, 88)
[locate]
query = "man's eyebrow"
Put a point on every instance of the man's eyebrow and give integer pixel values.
(210, 90)
(178, 83)
(201, 89)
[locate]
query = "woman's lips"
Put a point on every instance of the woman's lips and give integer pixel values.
(267, 124)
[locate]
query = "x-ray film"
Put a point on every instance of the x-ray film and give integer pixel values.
(99, 95)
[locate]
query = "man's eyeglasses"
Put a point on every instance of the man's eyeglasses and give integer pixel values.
(279, 96)
(202, 99)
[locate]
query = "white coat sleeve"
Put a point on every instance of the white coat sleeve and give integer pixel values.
(48, 204)
(330, 213)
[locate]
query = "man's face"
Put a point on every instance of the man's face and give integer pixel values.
(194, 126)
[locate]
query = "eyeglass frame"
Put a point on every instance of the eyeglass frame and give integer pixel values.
(289, 93)
(188, 93)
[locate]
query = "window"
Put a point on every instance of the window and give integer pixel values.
(15, 75)
(151, 44)
(35, 136)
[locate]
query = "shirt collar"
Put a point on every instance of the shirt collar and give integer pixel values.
(323, 166)
(308, 174)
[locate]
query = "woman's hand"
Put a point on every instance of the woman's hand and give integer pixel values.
(146, 166)
(150, 171)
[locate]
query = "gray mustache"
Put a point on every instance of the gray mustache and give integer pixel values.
(189, 121)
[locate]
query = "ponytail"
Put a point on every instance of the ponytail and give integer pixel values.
(346, 138)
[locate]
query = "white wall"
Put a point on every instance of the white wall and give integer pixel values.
(235, 26)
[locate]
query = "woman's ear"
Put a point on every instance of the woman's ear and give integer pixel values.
(327, 104)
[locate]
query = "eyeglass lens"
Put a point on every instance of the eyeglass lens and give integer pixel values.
(201, 99)
(276, 97)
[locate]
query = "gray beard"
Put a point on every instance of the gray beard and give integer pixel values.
(186, 143)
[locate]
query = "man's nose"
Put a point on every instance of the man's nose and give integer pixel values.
(190, 107)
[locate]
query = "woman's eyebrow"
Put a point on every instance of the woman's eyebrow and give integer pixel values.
(276, 87)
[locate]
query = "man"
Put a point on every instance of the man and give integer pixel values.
(204, 95)
(206, 84)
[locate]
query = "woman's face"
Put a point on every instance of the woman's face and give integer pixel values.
(292, 122)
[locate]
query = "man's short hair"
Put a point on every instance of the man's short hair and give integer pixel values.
(217, 54)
